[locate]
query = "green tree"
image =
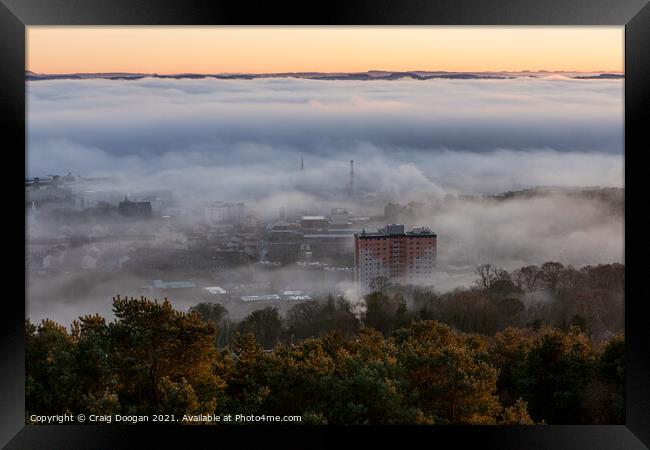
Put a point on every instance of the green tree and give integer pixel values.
(315, 318)
(51, 385)
(218, 314)
(604, 397)
(555, 371)
(97, 377)
(385, 313)
(266, 324)
(368, 385)
(215, 312)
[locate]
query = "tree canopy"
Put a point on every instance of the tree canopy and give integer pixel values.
(412, 356)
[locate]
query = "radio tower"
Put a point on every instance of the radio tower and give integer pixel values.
(302, 164)
(351, 175)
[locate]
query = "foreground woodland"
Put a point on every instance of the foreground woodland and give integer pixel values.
(541, 345)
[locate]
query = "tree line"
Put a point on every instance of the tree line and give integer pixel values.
(489, 354)
(590, 298)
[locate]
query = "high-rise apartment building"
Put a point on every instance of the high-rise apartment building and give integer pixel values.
(394, 254)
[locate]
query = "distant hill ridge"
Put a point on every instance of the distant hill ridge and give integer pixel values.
(355, 76)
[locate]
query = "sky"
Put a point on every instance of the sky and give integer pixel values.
(267, 49)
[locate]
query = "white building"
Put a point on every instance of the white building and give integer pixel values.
(225, 212)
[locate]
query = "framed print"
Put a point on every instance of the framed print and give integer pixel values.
(373, 219)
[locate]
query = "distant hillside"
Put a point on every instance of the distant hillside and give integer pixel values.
(355, 76)
(589, 191)
(613, 197)
(601, 76)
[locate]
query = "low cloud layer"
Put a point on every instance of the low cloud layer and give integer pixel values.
(558, 131)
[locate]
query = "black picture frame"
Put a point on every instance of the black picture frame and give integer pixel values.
(15, 15)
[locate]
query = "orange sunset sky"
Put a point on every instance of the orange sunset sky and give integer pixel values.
(237, 49)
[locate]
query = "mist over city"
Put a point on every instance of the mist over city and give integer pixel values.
(368, 225)
(510, 172)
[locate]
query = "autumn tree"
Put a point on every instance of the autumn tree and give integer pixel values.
(451, 383)
(152, 341)
(517, 414)
(487, 358)
(508, 354)
(528, 278)
(550, 274)
(379, 284)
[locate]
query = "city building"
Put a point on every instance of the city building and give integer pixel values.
(339, 215)
(314, 222)
(394, 254)
(52, 188)
(284, 244)
(187, 260)
(334, 245)
(225, 212)
(295, 295)
(320, 238)
(127, 208)
(90, 198)
(257, 298)
(161, 285)
(215, 290)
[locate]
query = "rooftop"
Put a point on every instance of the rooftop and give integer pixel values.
(293, 293)
(396, 230)
(222, 203)
(159, 284)
(255, 298)
(215, 290)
